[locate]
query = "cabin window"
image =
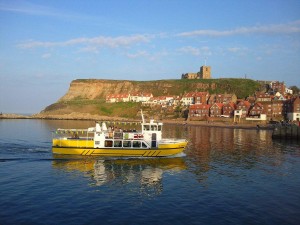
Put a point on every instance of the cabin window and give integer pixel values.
(144, 145)
(153, 127)
(136, 144)
(117, 144)
(159, 128)
(127, 144)
(146, 127)
(108, 143)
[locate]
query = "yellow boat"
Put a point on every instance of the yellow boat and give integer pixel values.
(103, 141)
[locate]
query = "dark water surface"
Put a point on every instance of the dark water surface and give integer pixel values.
(226, 176)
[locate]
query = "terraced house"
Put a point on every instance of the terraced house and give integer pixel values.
(228, 109)
(216, 110)
(199, 111)
(256, 110)
(244, 107)
(293, 113)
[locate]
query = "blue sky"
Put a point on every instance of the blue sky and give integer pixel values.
(44, 45)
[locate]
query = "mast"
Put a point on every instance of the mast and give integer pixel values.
(142, 116)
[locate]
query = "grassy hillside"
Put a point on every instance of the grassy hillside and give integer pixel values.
(241, 87)
(94, 107)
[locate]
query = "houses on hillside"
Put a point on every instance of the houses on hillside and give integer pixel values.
(202, 104)
(131, 97)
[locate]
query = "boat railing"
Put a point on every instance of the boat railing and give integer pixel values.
(126, 135)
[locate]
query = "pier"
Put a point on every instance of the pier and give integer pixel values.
(286, 132)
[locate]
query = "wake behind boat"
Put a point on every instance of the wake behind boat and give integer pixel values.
(103, 141)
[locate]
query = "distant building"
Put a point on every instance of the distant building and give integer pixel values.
(262, 97)
(201, 97)
(199, 110)
(294, 109)
(204, 73)
(216, 110)
(160, 100)
(278, 86)
(267, 108)
(135, 97)
(225, 98)
(117, 98)
(194, 98)
(243, 107)
(228, 109)
(190, 76)
(278, 108)
(288, 91)
(256, 110)
(140, 97)
(188, 99)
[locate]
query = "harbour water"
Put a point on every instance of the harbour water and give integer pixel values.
(225, 176)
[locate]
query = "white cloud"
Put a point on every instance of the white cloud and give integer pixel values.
(149, 56)
(158, 55)
(91, 43)
(238, 50)
(28, 8)
(288, 28)
(196, 51)
(46, 55)
(234, 49)
(137, 55)
(190, 50)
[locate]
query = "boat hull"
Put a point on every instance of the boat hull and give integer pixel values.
(85, 147)
(117, 152)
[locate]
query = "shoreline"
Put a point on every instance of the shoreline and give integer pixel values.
(75, 116)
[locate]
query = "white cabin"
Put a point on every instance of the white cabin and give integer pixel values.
(152, 132)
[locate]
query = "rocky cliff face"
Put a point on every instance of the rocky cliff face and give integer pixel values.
(96, 89)
(91, 89)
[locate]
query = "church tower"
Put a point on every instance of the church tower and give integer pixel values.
(205, 72)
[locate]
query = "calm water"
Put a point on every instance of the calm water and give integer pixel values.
(227, 176)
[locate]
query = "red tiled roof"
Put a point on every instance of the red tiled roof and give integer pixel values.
(246, 103)
(259, 104)
(220, 105)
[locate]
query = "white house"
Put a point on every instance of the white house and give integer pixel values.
(117, 98)
(188, 99)
(293, 116)
(288, 91)
(140, 97)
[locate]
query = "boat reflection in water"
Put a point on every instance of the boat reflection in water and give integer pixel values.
(143, 174)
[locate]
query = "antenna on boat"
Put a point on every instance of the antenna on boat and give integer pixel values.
(142, 116)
